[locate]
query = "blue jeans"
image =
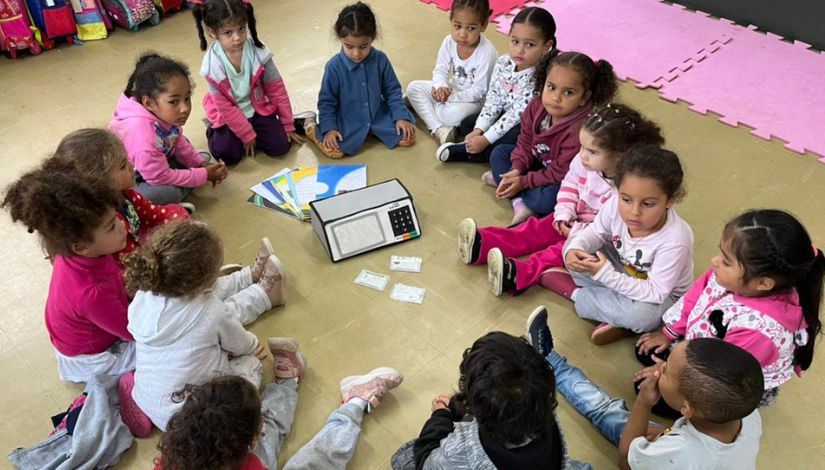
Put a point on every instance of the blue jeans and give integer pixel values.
(541, 200)
(609, 415)
(509, 138)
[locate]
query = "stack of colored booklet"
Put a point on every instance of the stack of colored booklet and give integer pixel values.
(290, 190)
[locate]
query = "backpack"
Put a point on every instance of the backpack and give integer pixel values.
(168, 6)
(15, 29)
(92, 21)
(128, 14)
(54, 19)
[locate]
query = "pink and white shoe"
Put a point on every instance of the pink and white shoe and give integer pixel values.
(273, 281)
(370, 387)
(264, 252)
(289, 362)
(606, 333)
(135, 419)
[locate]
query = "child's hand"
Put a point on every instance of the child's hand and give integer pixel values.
(476, 144)
(575, 260)
(295, 138)
(405, 129)
(509, 186)
(261, 353)
(216, 172)
(249, 149)
(441, 402)
(441, 94)
(655, 341)
(473, 133)
(594, 263)
(331, 139)
(649, 388)
(563, 227)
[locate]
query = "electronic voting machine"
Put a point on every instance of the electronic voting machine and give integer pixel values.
(366, 219)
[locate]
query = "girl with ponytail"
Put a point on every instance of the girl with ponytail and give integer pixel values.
(247, 104)
(762, 293)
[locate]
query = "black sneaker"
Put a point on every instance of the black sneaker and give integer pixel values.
(538, 332)
(469, 241)
(452, 152)
(501, 273)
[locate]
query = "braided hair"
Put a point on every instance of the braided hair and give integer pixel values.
(216, 13)
(772, 243)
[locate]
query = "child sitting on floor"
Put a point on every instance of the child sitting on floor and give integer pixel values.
(247, 104)
(75, 217)
(715, 385)
(512, 86)
(97, 152)
(462, 72)
(225, 424)
(360, 94)
(636, 258)
(605, 136)
(149, 120)
(762, 293)
(502, 416)
(188, 321)
(530, 172)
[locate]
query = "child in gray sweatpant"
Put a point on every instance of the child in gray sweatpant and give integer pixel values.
(224, 418)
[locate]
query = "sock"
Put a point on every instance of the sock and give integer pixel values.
(359, 401)
(574, 294)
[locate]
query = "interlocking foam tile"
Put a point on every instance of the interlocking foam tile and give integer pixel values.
(498, 6)
(643, 39)
(763, 82)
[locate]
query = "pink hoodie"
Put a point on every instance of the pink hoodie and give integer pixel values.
(151, 143)
(770, 328)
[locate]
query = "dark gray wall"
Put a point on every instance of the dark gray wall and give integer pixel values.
(802, 20)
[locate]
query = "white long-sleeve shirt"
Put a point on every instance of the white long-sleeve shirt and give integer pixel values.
(508, 96)
(468, 78)
(656, 266)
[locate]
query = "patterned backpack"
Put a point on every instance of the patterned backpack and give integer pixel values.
(54, 20)
(128, 14)
(92, 21)
(15, 29)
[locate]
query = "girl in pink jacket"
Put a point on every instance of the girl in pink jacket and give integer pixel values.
(606, 134)
(247, 104)
(149, 120)
(762, 293)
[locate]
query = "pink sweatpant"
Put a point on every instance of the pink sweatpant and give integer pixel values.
(535, 237)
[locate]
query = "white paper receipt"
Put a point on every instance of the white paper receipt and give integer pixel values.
(411, 294)
(409, 264)
(372, 280)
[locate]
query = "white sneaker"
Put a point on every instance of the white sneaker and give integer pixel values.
(444, 134)
(467, 234)
(190, 208)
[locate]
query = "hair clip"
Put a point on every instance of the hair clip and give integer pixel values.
(630, 124)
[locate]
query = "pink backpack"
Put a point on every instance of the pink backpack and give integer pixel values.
(128, 14)
(15, 29)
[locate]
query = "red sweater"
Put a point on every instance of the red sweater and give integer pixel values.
(553, 148)
(87, 305)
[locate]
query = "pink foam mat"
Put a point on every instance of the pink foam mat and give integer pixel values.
(642, 39)
(498, 6)
(763, 82)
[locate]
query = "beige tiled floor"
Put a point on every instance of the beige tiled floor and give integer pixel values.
(345, 329)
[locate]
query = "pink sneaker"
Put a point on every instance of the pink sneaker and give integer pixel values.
(606, 333)
(289, 362)
(135, 419)
(264, 252)
(370, 387)
(273, 281)
(559, 281)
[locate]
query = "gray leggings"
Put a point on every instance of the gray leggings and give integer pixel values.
(594, 301)
(331, 448)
